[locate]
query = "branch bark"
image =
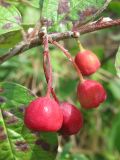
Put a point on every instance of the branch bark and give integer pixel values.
(36, 41)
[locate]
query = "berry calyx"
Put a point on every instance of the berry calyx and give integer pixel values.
(43, 114)
(72, 119)
(87, 62)
(90, 94)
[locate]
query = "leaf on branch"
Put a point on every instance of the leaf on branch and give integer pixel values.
(10, 18)
(34, 3)
(16, 141)
(49, 9)
(28, 3)
(7, 40)
(117, 62)
(64, 14)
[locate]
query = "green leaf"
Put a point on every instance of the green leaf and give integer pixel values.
(79, 157)
(66, 87)
(32, 3)
(70, 13)
(117, 62)
(114, 87)
(87, 9)
(7, 41)
(114, 140)
(49, 9)
(115, 7)
(10, 18)
(35, 3)
(16, 141)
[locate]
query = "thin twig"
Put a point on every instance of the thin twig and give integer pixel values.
(68, 55)
(45, 56)
(98, 26)
(36, 41)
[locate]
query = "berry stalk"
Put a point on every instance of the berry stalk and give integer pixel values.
(46, 52)
(45, 57)
(68, 55)
(81, 48)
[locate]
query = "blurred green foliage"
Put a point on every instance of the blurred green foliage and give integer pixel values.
(99, 139)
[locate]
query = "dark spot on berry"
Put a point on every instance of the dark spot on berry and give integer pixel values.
(43, 144)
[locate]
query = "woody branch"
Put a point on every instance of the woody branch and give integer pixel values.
(36, 41)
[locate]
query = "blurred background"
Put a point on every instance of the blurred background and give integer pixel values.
(99, 139)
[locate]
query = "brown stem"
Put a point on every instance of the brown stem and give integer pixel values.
(98, 26)
(68, 55)
(45, 56)
(36, 40)
(54, 95)
(46, 52)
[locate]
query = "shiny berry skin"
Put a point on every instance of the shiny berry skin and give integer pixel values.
(87, 62)
(90, 94)
(72, 119)
(43, 114)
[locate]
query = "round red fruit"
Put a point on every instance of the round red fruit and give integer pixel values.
(90, 94)
(87, 62)
(72, 119)
(43, 114)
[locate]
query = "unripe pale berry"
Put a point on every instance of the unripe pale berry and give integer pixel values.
(43, 114)
(90, 94)
(87, 62)
(72, 119)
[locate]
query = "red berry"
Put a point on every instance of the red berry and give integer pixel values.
(43, 114)
(87, 62)
(72, 119)
(90, 94)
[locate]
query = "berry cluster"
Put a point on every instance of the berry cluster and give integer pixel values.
(48, 114)
(90, 93)
(45, 114)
